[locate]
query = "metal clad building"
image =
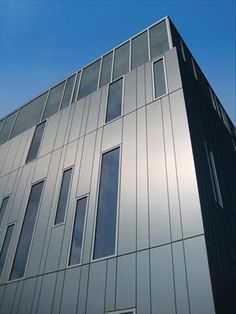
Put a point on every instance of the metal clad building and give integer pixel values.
(117, 189)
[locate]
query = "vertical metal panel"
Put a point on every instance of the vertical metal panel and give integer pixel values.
(9, 184)
(140, 86)
(77, 120)
(149, 82)
(83, 289)
(2, 290)
(127, 214)
(50, 134)
(181, 292)
(96, 288)
(70, 291)
(11, 155)
(198, 275)
(86, 164)
(58, 292)
(112, 134)
(70, 154)
(175, 217)
(54, 249)
(17, 297)
(103, 106)
(110, 285)
(27, 296)
(158, 202)
(20, 152)
(143, 283)
(130, 92)
(27, 145)
(85, 115)
(142, 179)
(3, 183)
(37, 291)
(3, 153)
(126, 281)
(46, 294)
(93, 111)
(62, 128)
(41, 236)
(41, 168)
(172, 70)
(162, 287)
(188, 190)
(88, 241)
(8, 298)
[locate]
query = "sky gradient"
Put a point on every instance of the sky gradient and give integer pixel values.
(41, 42)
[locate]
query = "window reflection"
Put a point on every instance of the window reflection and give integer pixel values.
(114, 103)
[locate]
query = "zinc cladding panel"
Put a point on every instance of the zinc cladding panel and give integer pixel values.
(112, 134)
(20, 159)
(127, 214)
(3, 153)
(143, 283)
(77, 117)
(36, 295)
(174, 81)
(83, 289)
(96, 288)
(27, 296)
(103, 106)
(93, 113)
(8, 298)
(62, 127)
(15, 304)
(46, 294)
(110, 285)
(11, 155)
(85, 115)
(140, 86)
(149, 84)
(130, 92)
(58, 293)
(49, 134)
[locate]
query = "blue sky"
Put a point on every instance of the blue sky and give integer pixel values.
(44, 41)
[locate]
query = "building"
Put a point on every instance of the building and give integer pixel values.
(117, 189)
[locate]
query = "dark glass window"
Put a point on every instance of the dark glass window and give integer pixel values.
(1, 124)
(62, 202)
(158, 39)
(36, 141)
(105, 235)
(114, 102)
(194, 69)
(139, 50)
(106, 69)
(121, 61)
(29, 115)
(6, 129)
(159, 78)
(5, 247)
(54, 100)
(68, 91)
(3, 208)
(89, 80)
(22, 252)
(78, 231)
(75, 88)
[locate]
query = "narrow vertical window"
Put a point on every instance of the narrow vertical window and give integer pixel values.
(3, 208)
(63, 196)
(78, 231)
(159, 78)
(214, 176)
(121, 61)
(114, 101)
(139, 50)
(5, 247)
(212, 98)
(194, 69)
(182, 50)
(22, 252)
(105, 234)
(36, 141)
(76, 85)
(67, 92)
(106, 69)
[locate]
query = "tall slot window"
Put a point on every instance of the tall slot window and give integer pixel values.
(5, 247)
(78, 231)
(67, 93)
(3, 208)
(74, 96)
(63, 196)
(121, 60)
(114, 101)
(105, 234)
(54, 100)
(214, 176)
(159, 78)
(36, 141)
(22, 252)
(106, 69)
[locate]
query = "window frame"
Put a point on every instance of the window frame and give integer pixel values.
(92, 259)
(126, 311)
(153, 77)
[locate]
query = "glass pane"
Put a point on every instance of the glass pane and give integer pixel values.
(105, 235)
(5, 247)
(1, 124)
(62, 202)
(158, 39)
(3, 208)
(7, 127)
(89, 80)
(75, 88)
(106, 69)
(68, 91)
(18, 268)
(78, 230)
(54, 100)
(36, 140)
(159, 78)
(114, 102)
(139, 50)
(121, 62)
(29, 115)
